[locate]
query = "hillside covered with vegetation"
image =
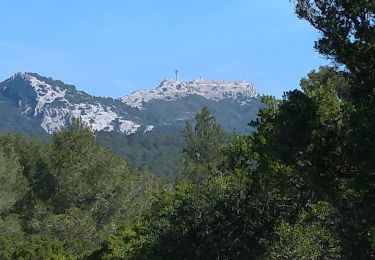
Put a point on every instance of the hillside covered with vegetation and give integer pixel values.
(299, 187)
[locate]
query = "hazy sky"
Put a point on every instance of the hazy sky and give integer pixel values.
(113, 47)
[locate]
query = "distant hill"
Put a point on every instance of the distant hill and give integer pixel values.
(38, 106)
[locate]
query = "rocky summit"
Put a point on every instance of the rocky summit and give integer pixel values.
(169, 90)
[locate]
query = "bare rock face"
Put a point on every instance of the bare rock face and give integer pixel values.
(55, 104)
(170, 90)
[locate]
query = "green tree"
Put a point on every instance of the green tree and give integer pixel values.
(12, 184)
(348, 38)
(312, 237)
(95, 191)
(13, 187)
(41, 247)
(202, 155)
(217, 219)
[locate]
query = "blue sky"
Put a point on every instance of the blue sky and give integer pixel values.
(113, 47)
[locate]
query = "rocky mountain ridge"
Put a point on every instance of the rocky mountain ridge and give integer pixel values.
(168, 90)
(52, 103)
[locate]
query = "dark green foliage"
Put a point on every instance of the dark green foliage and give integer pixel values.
(64, 198)
(214, 220)
(319, 167)
(306, 131)
(201, 155)
(11, 120)
(41, 247)
(12, 183)
(348, 37)
(313, 236)
(158, 152)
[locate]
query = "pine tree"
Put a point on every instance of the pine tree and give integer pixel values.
(201, 156)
